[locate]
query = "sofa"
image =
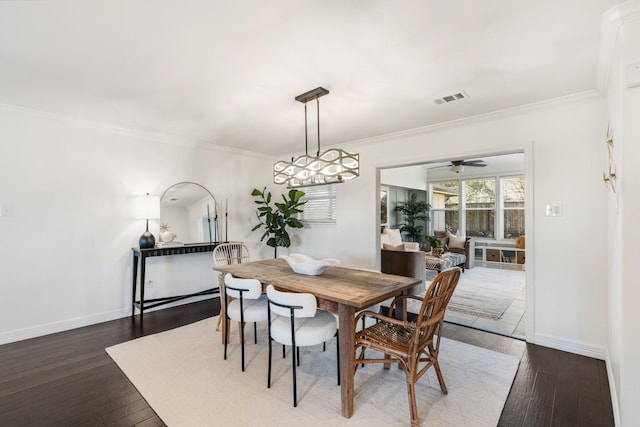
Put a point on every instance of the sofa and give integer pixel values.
(458, 244)
(405, 263)
(392, 239)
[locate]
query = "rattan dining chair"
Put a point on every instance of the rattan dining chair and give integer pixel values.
(227, 254)
(248, 305)
(414, 345)
(295, 320)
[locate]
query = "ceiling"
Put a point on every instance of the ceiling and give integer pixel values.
(226, 73)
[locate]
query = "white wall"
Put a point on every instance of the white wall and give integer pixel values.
(67, 190)
(409, 177)
(624, 210)
(565, 254)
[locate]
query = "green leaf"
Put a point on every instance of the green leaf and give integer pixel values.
(295, 223)
(256, 192)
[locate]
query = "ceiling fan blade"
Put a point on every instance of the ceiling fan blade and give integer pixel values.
(475, 165)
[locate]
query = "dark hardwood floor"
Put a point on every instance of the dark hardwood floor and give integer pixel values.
(67, 379)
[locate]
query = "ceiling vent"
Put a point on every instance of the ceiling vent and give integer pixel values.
(450, 98)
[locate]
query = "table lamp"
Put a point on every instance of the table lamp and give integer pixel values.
(147, 207)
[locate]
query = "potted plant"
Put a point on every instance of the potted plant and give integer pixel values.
(413, 212)
(436, 246)
(277, 217)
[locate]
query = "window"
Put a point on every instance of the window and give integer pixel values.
(444, 205)
(491, 208)
(480, 207)
(321, 205)
(512, 206)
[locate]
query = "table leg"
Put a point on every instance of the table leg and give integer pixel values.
(346, 335)
(221, 317)
(134, 284)
(143, 263)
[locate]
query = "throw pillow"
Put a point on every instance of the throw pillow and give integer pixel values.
(388, 247)
(456, 242)
(395, 238)
(442, 236)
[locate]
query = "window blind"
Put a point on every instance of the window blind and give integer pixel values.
(321, 205)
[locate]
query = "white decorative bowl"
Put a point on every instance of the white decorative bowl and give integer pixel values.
(303, 264)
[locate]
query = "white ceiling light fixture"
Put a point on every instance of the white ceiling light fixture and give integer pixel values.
(456, 168)
(330, 167)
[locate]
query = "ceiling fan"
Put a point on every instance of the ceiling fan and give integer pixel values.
(457, 166)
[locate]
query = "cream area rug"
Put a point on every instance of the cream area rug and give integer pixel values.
(182, 375)
(483, 292)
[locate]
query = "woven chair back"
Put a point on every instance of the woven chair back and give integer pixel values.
(230, 253)
(433, 307)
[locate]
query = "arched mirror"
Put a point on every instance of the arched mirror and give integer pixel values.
(188, 215)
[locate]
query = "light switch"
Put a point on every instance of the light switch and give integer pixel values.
(553, 209)
(633, 75)
(6, 210)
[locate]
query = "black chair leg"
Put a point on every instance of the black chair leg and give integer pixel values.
(242, 345)
(255, 332)
(269, 369)
(226, 336)
(295, 386)
(298, 355)
(338, 356)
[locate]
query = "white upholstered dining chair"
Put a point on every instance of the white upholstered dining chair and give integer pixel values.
(248, 305)
(295, 320)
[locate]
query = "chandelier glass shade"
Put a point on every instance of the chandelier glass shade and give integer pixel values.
(329, 167)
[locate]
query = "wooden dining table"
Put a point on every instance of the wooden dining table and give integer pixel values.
(339, 290)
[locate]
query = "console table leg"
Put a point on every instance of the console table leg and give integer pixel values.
(142, 271)
(134, 284)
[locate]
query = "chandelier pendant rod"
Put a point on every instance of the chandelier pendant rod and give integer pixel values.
(306, 139)
(318, 112)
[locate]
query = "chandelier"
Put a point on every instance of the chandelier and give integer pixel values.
(330, 167)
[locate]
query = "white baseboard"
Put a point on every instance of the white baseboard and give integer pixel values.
(612, 391)
(60, 326)
(571, 346)
(78, 322)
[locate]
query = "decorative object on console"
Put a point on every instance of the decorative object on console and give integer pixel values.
(147, 207)
(330, 167)
(276, 219)
(166, 235)
(302, 264)
(609, 176)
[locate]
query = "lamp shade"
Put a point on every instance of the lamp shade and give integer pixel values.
(148, 207)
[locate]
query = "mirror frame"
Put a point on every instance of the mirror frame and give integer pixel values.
(216, 232)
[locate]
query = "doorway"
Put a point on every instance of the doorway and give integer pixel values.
(484, 200)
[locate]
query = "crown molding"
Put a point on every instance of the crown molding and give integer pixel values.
(612, 21)
(156, 137)
(507, 112)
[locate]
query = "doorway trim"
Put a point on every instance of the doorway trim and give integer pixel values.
(527, 150)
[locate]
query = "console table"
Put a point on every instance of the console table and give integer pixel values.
(141, 255)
